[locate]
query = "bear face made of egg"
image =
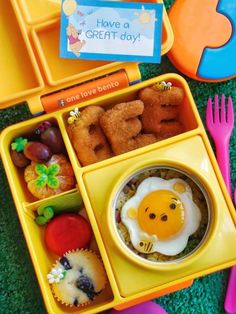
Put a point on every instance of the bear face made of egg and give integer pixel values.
(161, 216)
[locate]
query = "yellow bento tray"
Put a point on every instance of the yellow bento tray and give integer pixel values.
(141, 283)
(41, 72)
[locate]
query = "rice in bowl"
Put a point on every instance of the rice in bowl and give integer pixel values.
(199, 197)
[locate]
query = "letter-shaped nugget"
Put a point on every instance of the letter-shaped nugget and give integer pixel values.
(161, 110)
(87, 136)
(122, 127)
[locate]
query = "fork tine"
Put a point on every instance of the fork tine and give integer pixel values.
(209, 115)
(230, 113)
(216, 109)
(222, 110)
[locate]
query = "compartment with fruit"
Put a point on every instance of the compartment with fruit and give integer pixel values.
(43, 155)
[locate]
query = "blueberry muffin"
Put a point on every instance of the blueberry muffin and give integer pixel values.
(77, 278)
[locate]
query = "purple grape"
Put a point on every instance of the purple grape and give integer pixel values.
(37, 152)
(43, 127)
(19, 159)
(53, 139)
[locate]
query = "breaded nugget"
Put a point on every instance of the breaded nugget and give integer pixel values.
(145, 139)
(160, 107)
(173, 96)
(170, 128)
(122, 127)
(88, 138)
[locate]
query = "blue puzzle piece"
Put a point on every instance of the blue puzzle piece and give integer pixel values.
(220, 63)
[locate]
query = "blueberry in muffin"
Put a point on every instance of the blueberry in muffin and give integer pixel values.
(77, 278)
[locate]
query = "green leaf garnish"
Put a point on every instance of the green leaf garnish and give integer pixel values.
(47, 176)
(53, 170)
(41, 181)
(53, 182)
(19, 144)
(41, 169)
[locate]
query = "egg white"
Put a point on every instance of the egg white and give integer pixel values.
(171, 246)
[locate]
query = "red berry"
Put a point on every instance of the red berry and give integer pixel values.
(67, 232)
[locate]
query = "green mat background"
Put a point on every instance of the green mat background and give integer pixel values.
(19, 291)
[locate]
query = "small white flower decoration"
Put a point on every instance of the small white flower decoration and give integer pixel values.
(56, 275)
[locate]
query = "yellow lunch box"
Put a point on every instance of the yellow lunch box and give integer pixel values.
(40, 74)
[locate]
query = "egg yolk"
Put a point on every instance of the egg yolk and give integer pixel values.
(161, 213)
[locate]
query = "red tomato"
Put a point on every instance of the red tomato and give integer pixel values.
(67, 232)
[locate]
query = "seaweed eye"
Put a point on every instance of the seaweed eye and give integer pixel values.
(152, 216)
(172, 206)
(164, 218)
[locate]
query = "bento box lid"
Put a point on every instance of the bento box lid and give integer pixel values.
(29, 59)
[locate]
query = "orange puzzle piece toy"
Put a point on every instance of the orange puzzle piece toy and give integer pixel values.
(205, 39)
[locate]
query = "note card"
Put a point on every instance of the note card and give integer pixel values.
(111, 30)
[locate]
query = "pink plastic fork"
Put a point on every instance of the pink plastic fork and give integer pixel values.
(235, 197)
(230, 299)
(220, 125)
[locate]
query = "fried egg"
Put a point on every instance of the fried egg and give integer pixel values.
(161, 216)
